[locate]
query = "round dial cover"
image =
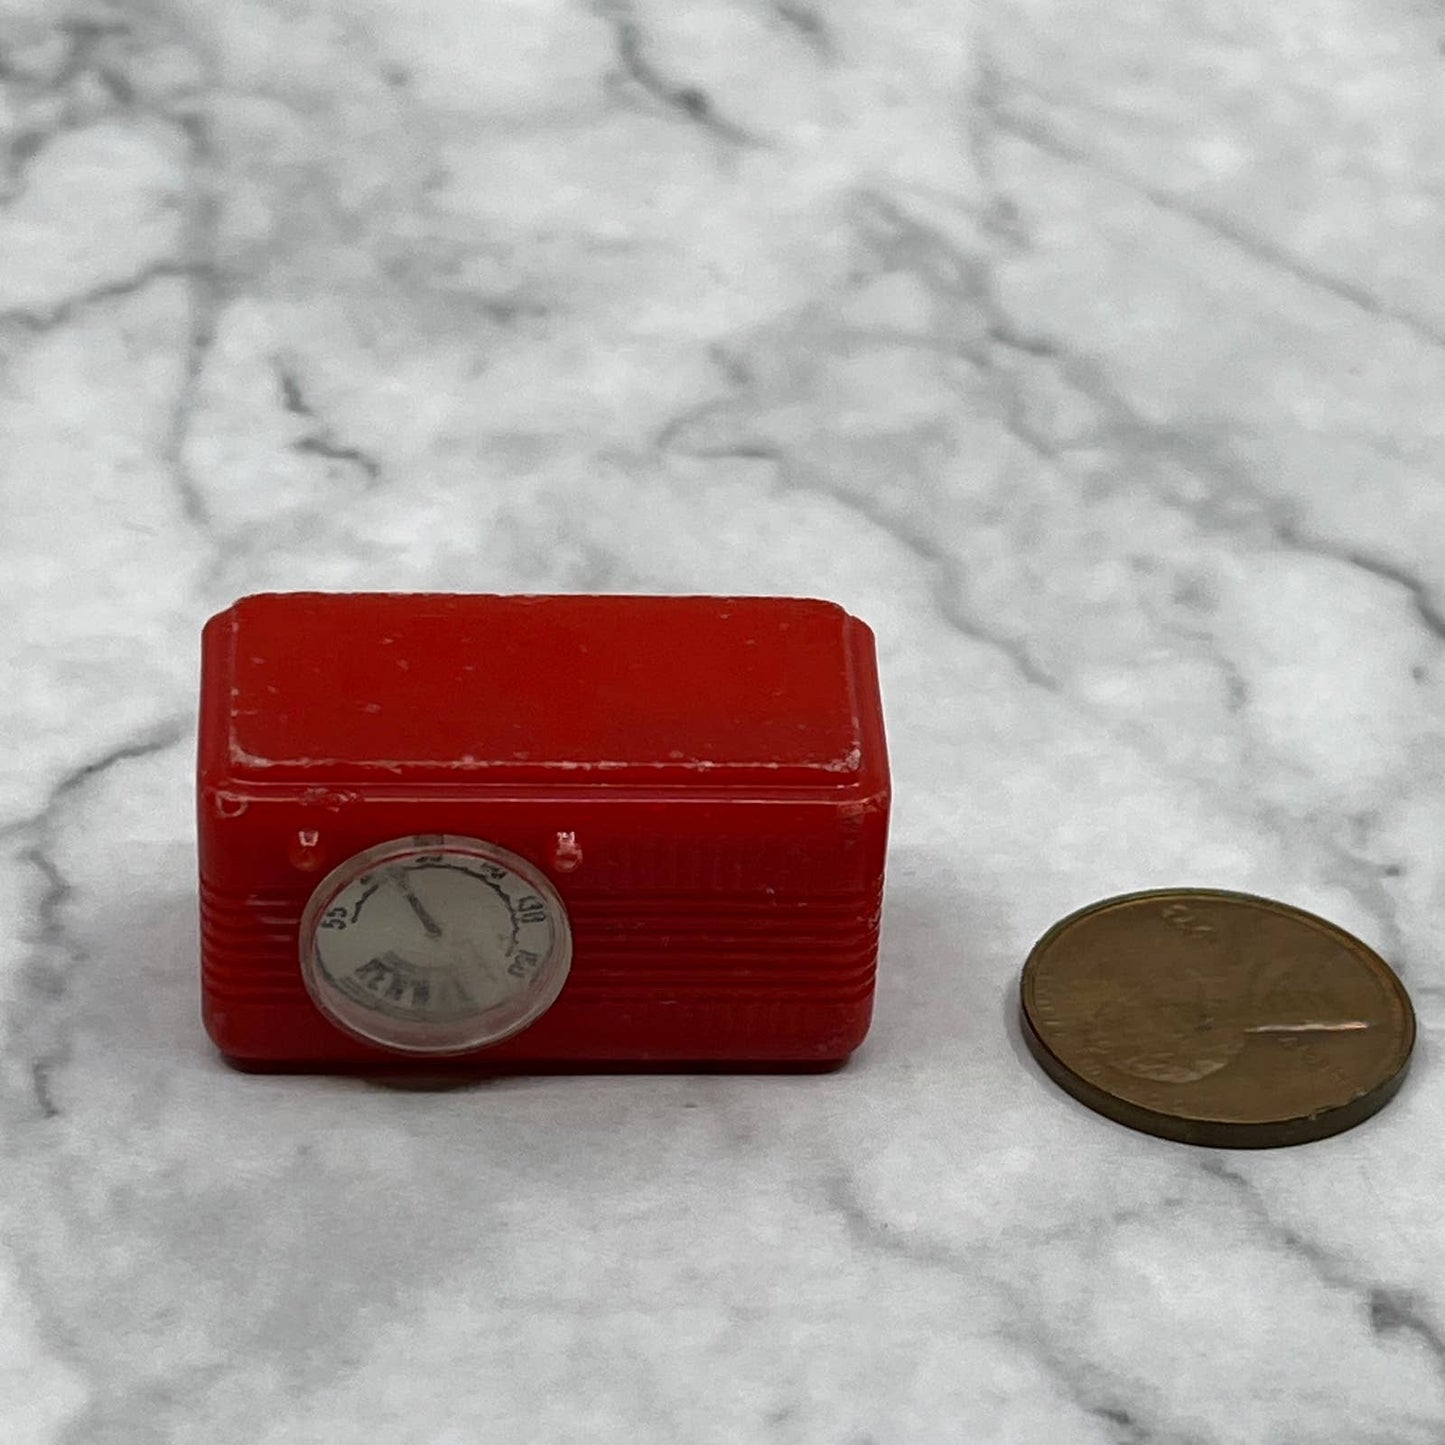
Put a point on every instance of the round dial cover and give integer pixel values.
(435, 944)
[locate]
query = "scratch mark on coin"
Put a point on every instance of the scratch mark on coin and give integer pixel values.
(1354, 1026)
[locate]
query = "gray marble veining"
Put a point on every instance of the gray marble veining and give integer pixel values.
(1096, 358)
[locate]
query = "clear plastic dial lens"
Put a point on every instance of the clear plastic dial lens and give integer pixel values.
(435, 945)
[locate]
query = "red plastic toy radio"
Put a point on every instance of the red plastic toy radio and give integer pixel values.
(539, 831)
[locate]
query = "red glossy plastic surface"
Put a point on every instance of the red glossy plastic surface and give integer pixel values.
(704, 780)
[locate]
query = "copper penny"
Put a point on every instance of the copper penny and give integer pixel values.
(1216, 1018)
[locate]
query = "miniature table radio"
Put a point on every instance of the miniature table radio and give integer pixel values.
(539, 832)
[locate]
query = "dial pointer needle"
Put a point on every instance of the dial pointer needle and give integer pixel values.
(433, 928)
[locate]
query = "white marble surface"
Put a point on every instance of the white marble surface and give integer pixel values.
(1096, 358)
